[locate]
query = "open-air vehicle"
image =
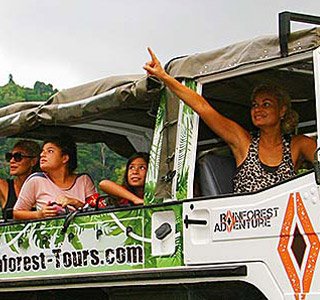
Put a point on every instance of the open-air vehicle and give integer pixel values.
(193, 238)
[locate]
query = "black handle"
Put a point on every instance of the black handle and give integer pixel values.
(163, 231)
(188, 221)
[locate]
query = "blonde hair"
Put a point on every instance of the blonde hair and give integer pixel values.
(290, 119)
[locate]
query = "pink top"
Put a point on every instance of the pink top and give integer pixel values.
(38, 190)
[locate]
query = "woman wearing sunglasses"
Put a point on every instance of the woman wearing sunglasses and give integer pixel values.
(23, 160)
(57, 186)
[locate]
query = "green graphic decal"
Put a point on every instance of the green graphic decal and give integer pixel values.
(185, 155)
(153, 169)
(174, 259)
(103, 242)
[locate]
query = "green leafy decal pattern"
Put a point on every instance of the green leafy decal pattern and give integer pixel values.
(154, 163)
(185, 153)
(95, 243)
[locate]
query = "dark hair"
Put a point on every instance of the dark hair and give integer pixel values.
(32, 148)
(68, 147)
(145, 157)
(290, 119)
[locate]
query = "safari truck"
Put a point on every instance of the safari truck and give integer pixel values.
(193, 238)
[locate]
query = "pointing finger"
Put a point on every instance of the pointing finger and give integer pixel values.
(153, 56)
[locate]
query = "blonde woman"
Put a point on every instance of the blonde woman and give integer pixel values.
(269, 157)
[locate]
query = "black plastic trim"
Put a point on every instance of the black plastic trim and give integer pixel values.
(131, 277)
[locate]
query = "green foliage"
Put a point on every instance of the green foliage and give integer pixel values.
(12, 92)
(5, 146)
(99, 165)
(155, 152)
(95, 159)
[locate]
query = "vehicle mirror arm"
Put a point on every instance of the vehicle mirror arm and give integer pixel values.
(68, 220)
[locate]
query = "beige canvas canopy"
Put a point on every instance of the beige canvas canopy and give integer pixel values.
(112, 110)
(120, 110)
(257, 50)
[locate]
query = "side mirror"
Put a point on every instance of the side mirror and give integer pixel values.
(316, 166)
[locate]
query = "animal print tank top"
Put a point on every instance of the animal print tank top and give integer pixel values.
(253, 175)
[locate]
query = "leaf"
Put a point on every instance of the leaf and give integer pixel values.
(116, 231)
(8, 238)
(76, 243)
(60, 238)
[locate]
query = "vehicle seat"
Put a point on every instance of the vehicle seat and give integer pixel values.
(214, 174)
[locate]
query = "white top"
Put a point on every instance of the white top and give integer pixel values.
(39, 190)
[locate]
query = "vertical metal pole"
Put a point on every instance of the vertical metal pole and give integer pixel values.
(284, 32)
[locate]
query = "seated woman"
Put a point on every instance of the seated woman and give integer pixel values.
(132, 190)
(267, 158)
(23, 160)
(57, 186)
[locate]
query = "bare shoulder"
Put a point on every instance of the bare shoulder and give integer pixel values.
(303, 140)
(304, 146)
(3, 191)
(3, 184)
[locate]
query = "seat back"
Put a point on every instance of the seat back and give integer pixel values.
(215, 174)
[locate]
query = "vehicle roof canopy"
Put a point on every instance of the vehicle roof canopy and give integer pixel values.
(99, 111)
(230, 74)
(253, 51)
(104, 110)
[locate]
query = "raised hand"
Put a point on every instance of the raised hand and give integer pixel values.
(154, 67)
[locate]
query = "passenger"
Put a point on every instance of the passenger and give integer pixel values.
(57, 186)
(262, 160)
(23, 159)
(132, 190)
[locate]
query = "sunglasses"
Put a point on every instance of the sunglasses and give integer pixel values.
(17, 156)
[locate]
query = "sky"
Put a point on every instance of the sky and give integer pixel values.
(71, 42)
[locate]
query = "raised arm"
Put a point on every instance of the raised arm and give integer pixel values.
(231, 132)
(117, 190)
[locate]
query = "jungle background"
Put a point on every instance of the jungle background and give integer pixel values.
(95, 159)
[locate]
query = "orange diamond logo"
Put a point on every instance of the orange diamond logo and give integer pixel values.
(230, 221)
(299, 274)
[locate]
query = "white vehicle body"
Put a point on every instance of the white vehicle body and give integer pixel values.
(184, 242)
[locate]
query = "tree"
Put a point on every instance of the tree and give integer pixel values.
(95, 159)
(12, 92)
